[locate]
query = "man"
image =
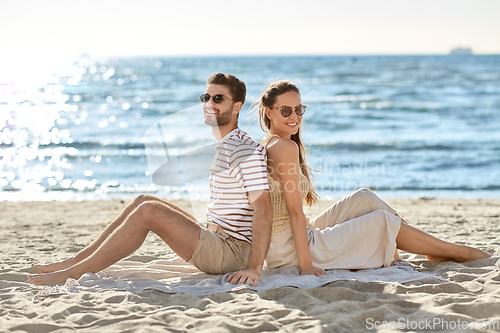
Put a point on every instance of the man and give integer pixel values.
(239, 214)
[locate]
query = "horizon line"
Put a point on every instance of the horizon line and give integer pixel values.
(278, 54)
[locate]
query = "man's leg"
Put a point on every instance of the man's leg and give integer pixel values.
(92, 247)
(179, 231)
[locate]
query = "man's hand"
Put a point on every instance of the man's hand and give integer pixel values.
(261, 237)
(248, 276)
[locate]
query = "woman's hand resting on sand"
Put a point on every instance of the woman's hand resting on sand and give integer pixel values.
(308, 270)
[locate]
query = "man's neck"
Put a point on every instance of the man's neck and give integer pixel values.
(221, 131)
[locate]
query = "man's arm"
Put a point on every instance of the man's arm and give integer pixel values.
(261, 237)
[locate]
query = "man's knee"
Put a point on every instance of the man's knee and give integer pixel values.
(152, 212)
(141, 198)
(147, 212)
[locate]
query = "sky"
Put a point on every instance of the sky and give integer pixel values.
(153, 27)
(37, 36)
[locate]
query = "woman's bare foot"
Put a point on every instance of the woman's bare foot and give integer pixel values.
(56, 266)
(438, 259)
(474, 254)
(468, 254)
(396, 257)
(52, 278)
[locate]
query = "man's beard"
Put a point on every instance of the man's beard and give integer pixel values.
(223, 118)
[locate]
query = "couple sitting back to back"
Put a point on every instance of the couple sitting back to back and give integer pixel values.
(257, 193)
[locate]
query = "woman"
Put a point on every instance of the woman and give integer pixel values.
(359, 231)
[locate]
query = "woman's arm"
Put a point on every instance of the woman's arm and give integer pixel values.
(283, 158)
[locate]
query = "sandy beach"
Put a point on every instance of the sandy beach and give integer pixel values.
(38, 232)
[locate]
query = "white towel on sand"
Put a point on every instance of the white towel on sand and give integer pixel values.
(177, 276)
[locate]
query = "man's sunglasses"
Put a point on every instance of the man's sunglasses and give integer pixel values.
(217, 98)
(286, 111)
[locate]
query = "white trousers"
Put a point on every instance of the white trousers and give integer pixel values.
(357, 232)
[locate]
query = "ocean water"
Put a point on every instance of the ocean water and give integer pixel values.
(405, 126)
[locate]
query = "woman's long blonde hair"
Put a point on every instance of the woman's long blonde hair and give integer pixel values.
(268, 100)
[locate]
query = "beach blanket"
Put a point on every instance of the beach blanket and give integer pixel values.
(178, 276)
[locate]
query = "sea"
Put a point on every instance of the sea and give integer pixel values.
(404, 126)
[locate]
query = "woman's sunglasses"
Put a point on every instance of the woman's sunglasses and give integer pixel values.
(286, 111)
(217, 98)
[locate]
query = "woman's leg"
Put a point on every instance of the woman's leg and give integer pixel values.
(178, 231)
(367, 241)
(412, 240)
(92, 247)
(359, 203)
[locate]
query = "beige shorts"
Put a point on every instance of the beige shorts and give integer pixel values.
(219, 253)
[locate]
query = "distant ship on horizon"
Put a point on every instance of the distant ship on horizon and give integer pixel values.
(461, 51)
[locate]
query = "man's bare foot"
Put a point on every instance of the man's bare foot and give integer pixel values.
(51, 278)
(56, 266)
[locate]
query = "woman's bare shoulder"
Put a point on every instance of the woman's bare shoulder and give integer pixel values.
(282, 150)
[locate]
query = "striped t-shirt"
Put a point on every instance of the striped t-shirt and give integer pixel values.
(239, 167)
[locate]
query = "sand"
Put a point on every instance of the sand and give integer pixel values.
(34, 232)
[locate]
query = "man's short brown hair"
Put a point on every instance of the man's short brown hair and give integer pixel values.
(237, 88)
